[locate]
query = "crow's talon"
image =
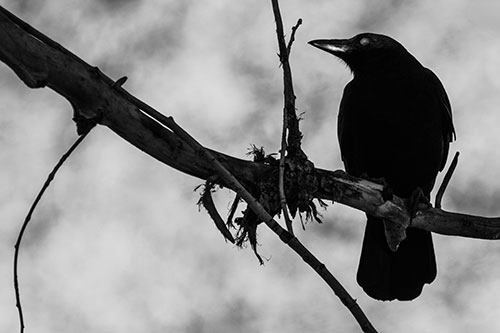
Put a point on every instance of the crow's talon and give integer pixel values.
(417, 201)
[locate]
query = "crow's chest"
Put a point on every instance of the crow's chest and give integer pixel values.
(390, 129)
(380, 112)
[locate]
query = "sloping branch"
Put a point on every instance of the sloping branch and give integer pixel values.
(297, 159)
(40, 62)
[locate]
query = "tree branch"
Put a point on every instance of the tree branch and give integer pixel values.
(27, 219)
(294, 135)
(367, 197)
(40, 62)
(290, 143)
(285, 236)
(295, 155)
(93, 96)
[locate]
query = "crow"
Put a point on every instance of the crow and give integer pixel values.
(395, 125)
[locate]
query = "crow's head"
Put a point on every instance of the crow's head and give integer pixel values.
(367, 52)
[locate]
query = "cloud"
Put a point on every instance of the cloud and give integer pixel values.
(118, 243)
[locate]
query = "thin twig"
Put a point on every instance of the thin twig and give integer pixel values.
(208, 203)
(294, 134)
(446, 181)
(285, 236)
(292, 36)
(281, 181)
(288, 115)
(28, 218)
(232, 211)
(291, 123)
(288, 111)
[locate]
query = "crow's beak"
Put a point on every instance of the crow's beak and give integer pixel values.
(334, 46)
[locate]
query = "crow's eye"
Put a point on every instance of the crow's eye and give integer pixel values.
(364, 41)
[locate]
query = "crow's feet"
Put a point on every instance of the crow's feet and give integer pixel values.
(387, 192)
(417, 201)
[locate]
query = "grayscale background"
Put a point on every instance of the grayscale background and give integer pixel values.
(118, 243)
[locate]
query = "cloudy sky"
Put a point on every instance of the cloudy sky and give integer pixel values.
(118, 243)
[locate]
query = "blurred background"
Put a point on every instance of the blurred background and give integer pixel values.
(118, 244)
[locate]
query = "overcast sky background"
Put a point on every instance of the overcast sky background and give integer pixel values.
(118, 244)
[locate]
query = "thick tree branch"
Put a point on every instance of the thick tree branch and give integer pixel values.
(93, 96)
(367, 196)
(41, 62)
